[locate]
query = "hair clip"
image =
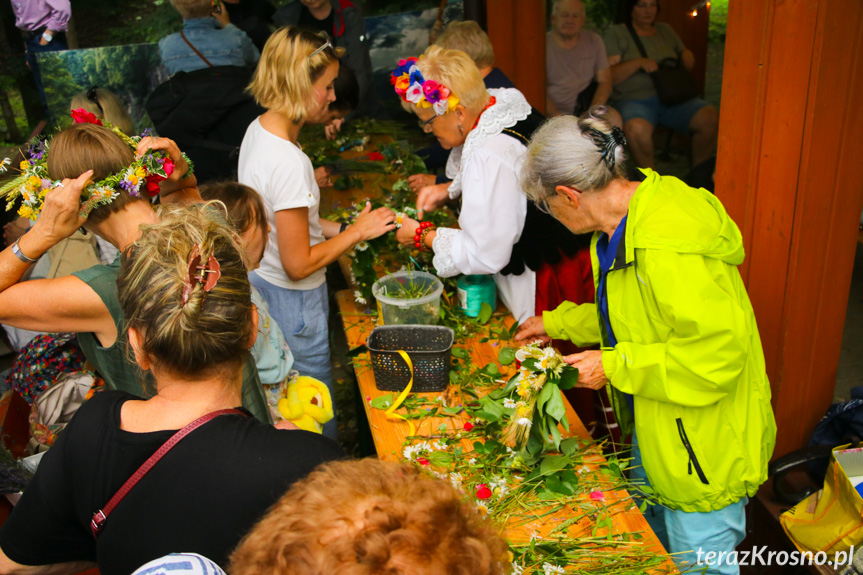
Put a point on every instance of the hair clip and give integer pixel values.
(206, 275)
(326, 45)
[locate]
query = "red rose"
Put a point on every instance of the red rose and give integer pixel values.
(483, 492)
(468, 425)
(82, 116)
(375, 156)
(168, 166)
(422, 461)
(153, 185)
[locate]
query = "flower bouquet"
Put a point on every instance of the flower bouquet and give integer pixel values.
(533, 401)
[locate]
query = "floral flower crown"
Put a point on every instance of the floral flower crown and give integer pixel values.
(412, 87)
(33, 183)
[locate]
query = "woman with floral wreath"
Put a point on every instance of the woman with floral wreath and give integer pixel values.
(294, 81)
(117, 177)
(536, 262)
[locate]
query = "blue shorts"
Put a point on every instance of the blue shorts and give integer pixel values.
(675, 117)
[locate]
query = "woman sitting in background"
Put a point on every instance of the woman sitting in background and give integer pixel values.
(184, 290)
(634, 95)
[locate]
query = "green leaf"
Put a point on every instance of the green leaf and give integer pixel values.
(553, 483)
(544, 395)
(568, 378)
(546, 495)
(382, 402)
(506, 356)
(555, 435)
(530, 364)
(491, 406)
(569, 445)
(491, 370)
(643, 506)
(357, 351)
(487, 416)
(460, 353)
(552, 463)
(485, 312)
(555, 407)
(452, 410)
(569, 477)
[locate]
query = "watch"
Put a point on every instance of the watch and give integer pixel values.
(46, 35)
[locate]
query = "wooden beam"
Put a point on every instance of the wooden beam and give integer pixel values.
(516, 29)
(787, 174)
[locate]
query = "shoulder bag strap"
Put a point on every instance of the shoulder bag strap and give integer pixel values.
(632, 31)
(195, 50)
(97, 523)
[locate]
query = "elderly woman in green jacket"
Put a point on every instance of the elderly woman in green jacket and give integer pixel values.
(680, 347)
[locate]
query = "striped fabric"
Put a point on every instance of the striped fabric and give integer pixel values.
(180, 564)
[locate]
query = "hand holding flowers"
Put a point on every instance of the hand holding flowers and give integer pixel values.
(591, 373)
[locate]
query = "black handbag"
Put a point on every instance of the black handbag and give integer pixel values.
(673, 82)
(584, 99)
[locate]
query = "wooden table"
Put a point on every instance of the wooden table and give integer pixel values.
(389, 436)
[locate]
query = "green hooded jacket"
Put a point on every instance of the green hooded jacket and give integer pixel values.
(688, 347)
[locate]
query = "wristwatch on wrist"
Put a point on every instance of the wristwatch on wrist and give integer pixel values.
(47, 36)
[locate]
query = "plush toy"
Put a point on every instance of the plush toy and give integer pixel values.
(307, 403)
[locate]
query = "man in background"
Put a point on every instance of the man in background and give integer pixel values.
(43, 26)
(577, 75)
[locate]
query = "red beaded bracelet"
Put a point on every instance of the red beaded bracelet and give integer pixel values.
(421, 233)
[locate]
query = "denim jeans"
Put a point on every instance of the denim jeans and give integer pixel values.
(33, 48)
(692, 534)
(303, 317)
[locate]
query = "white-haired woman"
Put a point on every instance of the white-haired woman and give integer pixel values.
(680, 347)
(294, 81)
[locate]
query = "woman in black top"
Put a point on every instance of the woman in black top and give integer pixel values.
(185, 294)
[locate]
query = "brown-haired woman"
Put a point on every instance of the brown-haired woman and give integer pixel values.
(86, 302)
(294, 81)
(184, 290)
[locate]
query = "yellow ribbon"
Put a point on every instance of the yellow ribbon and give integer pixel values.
(390, 412)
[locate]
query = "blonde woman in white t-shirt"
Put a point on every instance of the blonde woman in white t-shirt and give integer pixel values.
(294, 81)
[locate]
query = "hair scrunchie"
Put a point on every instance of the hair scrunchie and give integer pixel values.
(607, 143)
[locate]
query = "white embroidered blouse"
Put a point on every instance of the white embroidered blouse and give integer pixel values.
(485, 171)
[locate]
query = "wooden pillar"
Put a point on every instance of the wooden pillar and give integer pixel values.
(788, 173)
(517, 32)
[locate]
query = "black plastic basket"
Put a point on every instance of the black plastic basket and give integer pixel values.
(429, 347)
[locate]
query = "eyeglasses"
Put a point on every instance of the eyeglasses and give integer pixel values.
(542, 205)
(326, 45)
(426, 125)
(93, 96)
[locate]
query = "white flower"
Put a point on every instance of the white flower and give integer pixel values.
(524, 422)
(548, 568)
(456, 479)
(498, 486)
(522, 354)
(363, 246)
(409, 452)
(414, 94)
(3, 164)
(439, 446)
(508, 403)
(471, 461)
(441, 106)
(358, 297)
(509, 450)
(516, 568)
(583, 469)
(441, 400)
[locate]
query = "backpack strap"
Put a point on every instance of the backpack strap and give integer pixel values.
(97, 523)
(195, 50)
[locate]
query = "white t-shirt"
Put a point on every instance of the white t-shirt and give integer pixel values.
(283, 175)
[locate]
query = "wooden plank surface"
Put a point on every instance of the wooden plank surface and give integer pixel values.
(389, 436)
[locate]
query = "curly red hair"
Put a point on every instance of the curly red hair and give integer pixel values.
(368, 517)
